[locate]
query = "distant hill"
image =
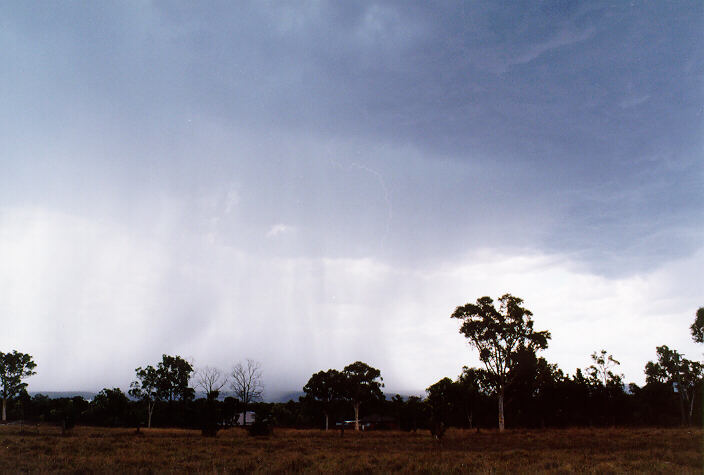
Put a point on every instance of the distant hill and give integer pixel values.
(87, 395)
(286, 397)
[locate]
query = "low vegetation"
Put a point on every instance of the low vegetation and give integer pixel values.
(44, 449)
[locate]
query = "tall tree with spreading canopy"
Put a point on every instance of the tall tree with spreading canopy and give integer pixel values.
(441, 397)
(500, 335)
(147, 389)
(14, 367)
(247, 384)
(323, 388)
(685, 376)
(361, 383)
(174, 374)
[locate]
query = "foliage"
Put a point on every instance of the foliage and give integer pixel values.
(360, 383)
(14, 367)
(441, 396)
(600, 370)
(174, 373)
(500, 335)
(324, 388)
(697, 327)
(684, 375)
(110, 407)
(147, 388)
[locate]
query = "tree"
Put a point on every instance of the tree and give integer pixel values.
(173, 375)
(441, 397)
(14, 367)
(324, 389)
(210, 380)
(600, 370)
(247, 384)
(110, 407)
(147, 389)
(361, 383)
(697, 327)
(471, 383)
(500, 335)
(684, 375)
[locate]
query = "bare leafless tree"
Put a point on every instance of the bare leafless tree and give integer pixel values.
(210, 380)
(247, 384)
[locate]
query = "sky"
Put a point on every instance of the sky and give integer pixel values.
(309, 184)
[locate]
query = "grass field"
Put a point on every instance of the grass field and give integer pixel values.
(90, 449)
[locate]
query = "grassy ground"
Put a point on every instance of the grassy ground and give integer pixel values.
(173, 450)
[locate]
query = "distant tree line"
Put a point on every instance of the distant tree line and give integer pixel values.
(516, 387)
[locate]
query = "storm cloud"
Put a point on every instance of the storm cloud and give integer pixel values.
(313, 183)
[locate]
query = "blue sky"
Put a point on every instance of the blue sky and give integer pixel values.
(313, 183)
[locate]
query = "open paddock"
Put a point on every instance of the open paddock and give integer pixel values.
(87, 449)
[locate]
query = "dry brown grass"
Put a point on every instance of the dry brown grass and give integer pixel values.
(90, 449)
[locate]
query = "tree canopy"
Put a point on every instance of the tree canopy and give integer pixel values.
(697, 327)
(324, 388)
(500, 335)
(683, 374)
(361, 383)
(14, 367)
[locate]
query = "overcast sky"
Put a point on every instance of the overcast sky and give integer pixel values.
(313, 183)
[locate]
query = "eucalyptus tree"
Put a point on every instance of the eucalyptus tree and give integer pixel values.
(147, 388)
(472, 383)
(684, 375)
(174, 373)
(500, 335)
(324, 388)
(600, 370)
(14, 367)
(441, 399)
(361, 383)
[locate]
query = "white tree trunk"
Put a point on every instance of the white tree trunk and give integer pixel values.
(150, 410)
(356, 416)
(326, 422)
(4, 409)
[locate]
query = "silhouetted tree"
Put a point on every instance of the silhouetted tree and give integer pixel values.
(471, 384)
(697, 327)
(361, 383)
(210, 380)
(14, 367)
(441, 397)
(500, 335)
(110, 407)
(600, 370)
(247, 384)
(684, 375)
(147, 389)
(324, 388)
(174, 373)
